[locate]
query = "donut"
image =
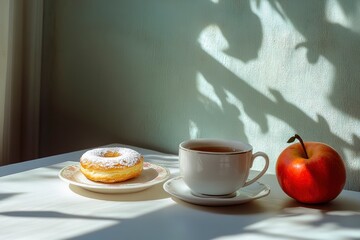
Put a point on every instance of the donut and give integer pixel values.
(111, 164)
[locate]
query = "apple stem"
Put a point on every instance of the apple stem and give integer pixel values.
(296, 136)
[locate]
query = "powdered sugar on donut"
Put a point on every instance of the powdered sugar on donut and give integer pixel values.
(128, 157)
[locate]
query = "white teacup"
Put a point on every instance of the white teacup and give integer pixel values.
(217, 167)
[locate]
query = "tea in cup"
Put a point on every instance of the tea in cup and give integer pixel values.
(215, 167)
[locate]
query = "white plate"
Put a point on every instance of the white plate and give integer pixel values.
(151, 175)
(177, 188)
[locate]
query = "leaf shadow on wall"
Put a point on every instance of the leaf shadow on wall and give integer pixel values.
(242, 29)
(257, 106)
(338, 44)
(341, 47)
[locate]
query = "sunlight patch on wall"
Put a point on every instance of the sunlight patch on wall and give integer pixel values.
(335, 14)
(211, 39)
(207, 93)
(354, 165)
(194, 131)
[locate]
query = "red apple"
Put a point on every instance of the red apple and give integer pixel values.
(310, 172)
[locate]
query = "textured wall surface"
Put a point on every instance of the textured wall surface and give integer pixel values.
(154, 73)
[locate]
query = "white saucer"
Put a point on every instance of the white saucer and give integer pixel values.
(152, 174)
(177, 188)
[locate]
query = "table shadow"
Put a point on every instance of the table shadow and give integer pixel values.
(153, 193)
(252, 207)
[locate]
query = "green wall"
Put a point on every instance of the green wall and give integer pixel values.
(154, 73)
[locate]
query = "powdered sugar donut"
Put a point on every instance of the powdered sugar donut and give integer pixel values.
(111, 164)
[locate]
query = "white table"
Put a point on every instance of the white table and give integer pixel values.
(36, 204)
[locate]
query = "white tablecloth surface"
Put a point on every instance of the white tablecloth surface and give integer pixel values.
(36, 204)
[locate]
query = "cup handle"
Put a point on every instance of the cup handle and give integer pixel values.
(266, 158)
